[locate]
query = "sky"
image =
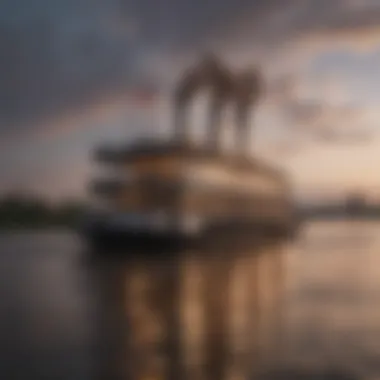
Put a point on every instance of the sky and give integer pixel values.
(70, 71)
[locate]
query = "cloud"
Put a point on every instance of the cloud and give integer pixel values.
(307, 20)
(60, 55)
(47, 68)
(320, 110)
(324, 122)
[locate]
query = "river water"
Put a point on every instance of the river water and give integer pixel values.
(303, 309)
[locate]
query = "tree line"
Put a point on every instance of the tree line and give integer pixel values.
(31, 211)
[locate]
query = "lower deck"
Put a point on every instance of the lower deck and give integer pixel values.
(120, 229)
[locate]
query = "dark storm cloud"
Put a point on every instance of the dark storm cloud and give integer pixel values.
(56, 56)
(60, 55)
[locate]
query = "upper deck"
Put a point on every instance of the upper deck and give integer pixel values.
(157, 154)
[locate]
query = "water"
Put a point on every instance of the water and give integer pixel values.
(302, 309)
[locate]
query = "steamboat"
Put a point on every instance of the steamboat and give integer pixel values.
(177, 190)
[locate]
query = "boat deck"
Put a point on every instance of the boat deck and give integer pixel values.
(155, 150)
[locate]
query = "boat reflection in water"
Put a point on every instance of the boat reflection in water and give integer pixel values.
(208, 315)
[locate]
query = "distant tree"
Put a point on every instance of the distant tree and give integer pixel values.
(355, 204)
(68, 212)
(27, 210)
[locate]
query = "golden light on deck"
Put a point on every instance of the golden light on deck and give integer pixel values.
(164, 166)
(129, 198)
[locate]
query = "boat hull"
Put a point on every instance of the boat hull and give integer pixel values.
(106, 234)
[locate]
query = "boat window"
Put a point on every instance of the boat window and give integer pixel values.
(206, 178)
(161, 166)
